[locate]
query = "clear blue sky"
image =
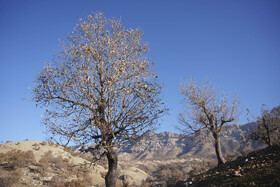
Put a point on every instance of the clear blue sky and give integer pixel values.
(236, 44)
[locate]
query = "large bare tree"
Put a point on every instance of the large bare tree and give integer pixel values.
(100, 88)
(268, 127)
(205, 109)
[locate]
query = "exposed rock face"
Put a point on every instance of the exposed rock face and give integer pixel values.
(166, 145)
(169, 145)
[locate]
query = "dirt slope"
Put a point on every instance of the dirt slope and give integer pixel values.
(258, 168)
(38, 163)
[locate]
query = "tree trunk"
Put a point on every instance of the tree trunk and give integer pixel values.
(268, 140)
(111, 177)
(218, 149)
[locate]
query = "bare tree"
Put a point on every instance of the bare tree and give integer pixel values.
(100, 88)
(268, 127)
(206, 110)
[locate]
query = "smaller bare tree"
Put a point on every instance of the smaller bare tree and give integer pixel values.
(268, 127)
(206, 110)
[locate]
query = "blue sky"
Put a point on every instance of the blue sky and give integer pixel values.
(236, 44)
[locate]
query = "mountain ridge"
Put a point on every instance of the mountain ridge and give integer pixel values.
(170, 145)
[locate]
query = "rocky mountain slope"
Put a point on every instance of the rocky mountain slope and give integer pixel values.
(169, 145)
(258, 168)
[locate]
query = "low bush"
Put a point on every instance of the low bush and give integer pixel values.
(171, 177)
(17, 158)
(65, 173)
(9, 178)
(58, 162)
(44, 143)
(36, 146)
(59, 181)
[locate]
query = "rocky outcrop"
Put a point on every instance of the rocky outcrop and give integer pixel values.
(169, 145)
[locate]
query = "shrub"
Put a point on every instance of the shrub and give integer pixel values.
(44, 143)
(8, 178)
(36, 146)
(58, 181)
(58, 162)
(17, 158)
(171, 177)
(29, 157)
(2, 158)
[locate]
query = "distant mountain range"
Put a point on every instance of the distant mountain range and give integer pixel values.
(169, 145)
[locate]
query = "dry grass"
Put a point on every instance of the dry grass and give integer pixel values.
(11, 162)
(44, 163)
(9, 178)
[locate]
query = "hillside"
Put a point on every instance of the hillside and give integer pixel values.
(156, 160)
(258, 168)
(170, 157)
(38, 163)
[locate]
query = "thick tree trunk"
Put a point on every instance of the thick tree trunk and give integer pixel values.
(218, 149)
(111, 177)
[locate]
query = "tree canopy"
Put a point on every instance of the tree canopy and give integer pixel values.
(267, 130)
(100, 87)
(205, 109)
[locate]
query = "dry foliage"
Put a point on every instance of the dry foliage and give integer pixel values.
(207, 110)
(15, 163)
(16, 158)
(10, 163)
(268, 127)
(171, 177)
(48, 160)
(58, 181)
(9, 178)
(100, 88)
(100, 84)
